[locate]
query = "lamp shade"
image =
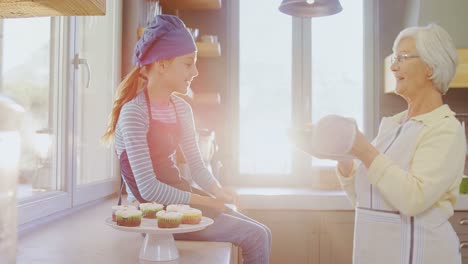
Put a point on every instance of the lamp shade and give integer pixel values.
(309, 8)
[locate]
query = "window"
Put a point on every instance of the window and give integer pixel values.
(97, 60)
(265, 89)
(61, 163)
(337, 66)
(26, 78)
(299, 72)
(33, 75)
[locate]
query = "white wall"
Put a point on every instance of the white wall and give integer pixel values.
(451, 15)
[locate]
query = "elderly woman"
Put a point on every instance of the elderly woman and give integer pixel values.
(404, 184)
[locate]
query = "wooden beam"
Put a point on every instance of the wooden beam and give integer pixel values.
(35, 8)
(461, 76)
(192, 4)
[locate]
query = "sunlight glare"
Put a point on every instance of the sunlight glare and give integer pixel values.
(10, 147)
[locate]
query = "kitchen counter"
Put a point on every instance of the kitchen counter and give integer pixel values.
(292, 198)
(83, 237)
(304, 199)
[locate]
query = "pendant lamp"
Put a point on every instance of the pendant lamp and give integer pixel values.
(310, 8)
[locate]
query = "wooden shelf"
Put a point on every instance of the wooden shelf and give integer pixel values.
(192, 4)
(459, 81)
(206, 99)
(205, 49)
(389, 78)
(208, 49)
(140, 32)
(34, 8)
(461, 76)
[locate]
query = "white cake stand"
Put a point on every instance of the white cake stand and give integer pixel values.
(159, 244)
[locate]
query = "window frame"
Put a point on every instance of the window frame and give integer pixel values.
(42, 205)
(64, 102)
(83, 193)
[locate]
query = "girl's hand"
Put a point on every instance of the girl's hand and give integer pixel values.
(227, 195)
(211, 202)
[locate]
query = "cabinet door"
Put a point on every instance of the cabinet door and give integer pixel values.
(336, 237)
(295, 235)
(463, 247)
(459, 223)
(97, 59)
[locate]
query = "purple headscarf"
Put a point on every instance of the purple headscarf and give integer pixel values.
(166, 37)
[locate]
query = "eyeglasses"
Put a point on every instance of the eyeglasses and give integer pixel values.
(402, 57)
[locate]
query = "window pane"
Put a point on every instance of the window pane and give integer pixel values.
(265, 88)
(25, 78)
(95, 94)
(337, 65)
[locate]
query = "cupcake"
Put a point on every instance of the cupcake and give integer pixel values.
(177, 207)
(121, 207)
(128, 217)
(149, 210)
(191, 216)
(168, 219)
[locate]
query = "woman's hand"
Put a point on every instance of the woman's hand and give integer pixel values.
(345, 167)
(363, 149)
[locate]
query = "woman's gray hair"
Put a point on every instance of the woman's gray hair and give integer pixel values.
(436, 48)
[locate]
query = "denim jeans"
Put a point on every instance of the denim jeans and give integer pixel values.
(251, 236)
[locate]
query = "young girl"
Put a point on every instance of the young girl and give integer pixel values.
(148, 123)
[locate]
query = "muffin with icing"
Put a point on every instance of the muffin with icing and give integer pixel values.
(149, 210)
(191, 216)
(177, 207)
(115, 208)
(168, 219)
(128, 217)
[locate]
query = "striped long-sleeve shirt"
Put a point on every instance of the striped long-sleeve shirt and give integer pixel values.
(130, 135)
